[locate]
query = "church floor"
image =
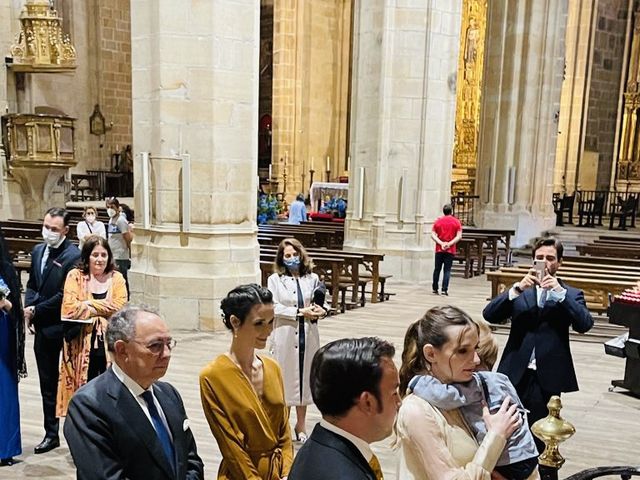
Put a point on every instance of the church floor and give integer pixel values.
(607, 424)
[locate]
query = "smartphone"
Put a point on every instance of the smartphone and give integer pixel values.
(540, 268)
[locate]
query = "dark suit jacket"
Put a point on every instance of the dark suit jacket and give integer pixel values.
(110, 437)
(327, 456)
(45, 290)
(545, 329)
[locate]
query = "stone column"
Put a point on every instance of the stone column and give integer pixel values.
(520, 103)
(195, 91)
(402, 128)
(310, 89)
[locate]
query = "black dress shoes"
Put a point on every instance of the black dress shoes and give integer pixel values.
(47, 444)
(7, 462)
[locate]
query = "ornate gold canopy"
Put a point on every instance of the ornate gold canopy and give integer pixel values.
(41, 45)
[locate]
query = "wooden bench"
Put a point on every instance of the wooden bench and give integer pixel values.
(609, 251)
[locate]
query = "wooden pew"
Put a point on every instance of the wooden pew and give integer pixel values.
(609, 251)
(505, 238)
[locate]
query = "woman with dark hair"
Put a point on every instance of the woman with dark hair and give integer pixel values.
(295, 338)
(438, 443)
(92, 293)
(12, 364)
(242, 393)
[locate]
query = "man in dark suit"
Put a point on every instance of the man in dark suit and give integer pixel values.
(354, 384)
(125, 423)
(537, 357)
(50, 263)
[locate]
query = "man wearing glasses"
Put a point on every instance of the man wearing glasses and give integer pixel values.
(125, 423)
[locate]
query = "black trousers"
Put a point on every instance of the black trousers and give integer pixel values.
(535, 399)
(442, 259)
(47, 352)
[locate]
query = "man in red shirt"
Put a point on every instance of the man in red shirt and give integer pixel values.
(446, 232)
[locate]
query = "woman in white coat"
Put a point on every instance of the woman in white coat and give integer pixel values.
(295, 338)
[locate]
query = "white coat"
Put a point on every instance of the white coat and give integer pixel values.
(284, 342)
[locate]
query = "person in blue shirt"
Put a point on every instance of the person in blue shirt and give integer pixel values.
(298, 211)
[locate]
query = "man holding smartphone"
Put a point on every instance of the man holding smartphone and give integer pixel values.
(537, 358)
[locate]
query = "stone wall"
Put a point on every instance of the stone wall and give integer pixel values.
(605, 84)
(114, 74)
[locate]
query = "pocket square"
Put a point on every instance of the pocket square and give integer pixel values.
(57, 264)
(185, 424)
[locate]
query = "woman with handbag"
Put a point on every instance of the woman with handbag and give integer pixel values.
(295, 338)
(92, 293)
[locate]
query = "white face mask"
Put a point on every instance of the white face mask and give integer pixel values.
(111, 212)
(90, 218)
(50, 238)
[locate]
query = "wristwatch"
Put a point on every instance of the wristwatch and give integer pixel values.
(516, 287)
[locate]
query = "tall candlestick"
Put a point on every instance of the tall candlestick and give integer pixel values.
(270, 174)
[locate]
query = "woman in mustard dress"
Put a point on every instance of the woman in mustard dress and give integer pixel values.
(243, 395)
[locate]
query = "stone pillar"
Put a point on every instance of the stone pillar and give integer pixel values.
(195, 91)
(311, 47)
(523, 66)
(575, 96)
(402, 128)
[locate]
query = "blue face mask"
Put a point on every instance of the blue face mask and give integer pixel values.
(292, 263)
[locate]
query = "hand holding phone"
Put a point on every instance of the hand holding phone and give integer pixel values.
(540, 266)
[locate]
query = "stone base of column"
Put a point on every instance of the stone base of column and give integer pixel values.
(186, 276)
(528, 225)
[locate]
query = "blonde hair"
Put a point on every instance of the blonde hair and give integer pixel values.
(487, 346)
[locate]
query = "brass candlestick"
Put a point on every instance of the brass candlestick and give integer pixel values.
(328, 175)
(552, 430)
(311, 172)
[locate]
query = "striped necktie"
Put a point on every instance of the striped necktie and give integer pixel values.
(375, 466)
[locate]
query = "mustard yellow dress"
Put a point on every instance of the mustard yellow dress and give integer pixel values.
(252, 431)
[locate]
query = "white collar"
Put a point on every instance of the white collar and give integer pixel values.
(362, 446)
(129, 382)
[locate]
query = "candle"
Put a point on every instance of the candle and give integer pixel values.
(270, 172)
(348, 164)
(312, 163)
(328, 163)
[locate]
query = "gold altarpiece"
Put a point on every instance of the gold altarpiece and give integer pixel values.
(628, 171)
(468, 92)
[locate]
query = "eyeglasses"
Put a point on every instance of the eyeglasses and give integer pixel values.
(158, 347)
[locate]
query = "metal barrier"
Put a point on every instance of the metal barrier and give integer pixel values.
(464, 208)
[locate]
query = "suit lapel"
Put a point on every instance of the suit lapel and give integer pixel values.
(36, 263)
(132, 415)
(344, 446)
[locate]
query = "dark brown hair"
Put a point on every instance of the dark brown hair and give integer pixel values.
(430, 329)
(548, 242)
(306, 265)
(91, 242)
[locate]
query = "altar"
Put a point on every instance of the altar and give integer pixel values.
(321, 190)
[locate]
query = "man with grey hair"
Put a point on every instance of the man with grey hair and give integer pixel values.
(125, 423)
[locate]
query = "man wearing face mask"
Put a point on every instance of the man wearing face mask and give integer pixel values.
(50, 263)
(119, 237)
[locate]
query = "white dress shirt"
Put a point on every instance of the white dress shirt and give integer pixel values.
(362, 446)
(137, 391)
